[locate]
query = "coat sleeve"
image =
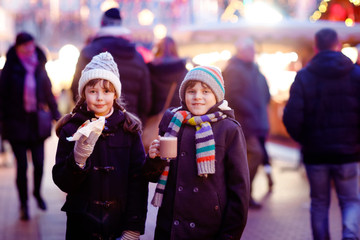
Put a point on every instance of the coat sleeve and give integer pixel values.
(3, 88)
(238, 186)
(153, 168)
(293, 116)
(136, 208)
(66, 174)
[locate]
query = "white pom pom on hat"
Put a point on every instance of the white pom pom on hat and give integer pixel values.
(210, 75)
(102, 66)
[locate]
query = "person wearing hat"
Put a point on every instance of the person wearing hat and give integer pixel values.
(204, 192)
(100, 170)
(135, 78)
(25, 88)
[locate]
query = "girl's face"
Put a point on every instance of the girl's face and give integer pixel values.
(99, 98)
(199, 98)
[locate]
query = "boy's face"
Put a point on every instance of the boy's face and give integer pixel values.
(199, 98)
(99, 99)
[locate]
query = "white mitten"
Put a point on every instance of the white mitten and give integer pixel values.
(84, 146)
(130, 235)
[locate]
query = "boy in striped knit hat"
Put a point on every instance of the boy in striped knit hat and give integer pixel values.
(204, 192)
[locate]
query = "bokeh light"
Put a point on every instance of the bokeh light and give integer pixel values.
(160, 31)
(145, 17)
(350, 52)
(262, 13)
(61, 71)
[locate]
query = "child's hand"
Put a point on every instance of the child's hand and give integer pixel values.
(84, 147)
(154, 149)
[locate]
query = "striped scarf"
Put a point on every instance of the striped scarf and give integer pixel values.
(205, 146)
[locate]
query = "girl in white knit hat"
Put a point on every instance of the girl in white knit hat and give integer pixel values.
(204, 192)
(99, 158)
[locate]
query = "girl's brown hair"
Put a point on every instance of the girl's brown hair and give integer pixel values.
(132, 123)
(166, 47)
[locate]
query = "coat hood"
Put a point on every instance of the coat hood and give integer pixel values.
(12, 56)
(118, 46)
(167, 66)
(330, 64)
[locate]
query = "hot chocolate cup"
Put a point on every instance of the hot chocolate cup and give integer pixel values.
(168, 147)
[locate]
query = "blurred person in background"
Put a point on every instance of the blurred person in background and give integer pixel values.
(323, 115)
(25, 88)
(358, 54)
(115, 39)
(167, 67)
(248, 94)
(3, 153)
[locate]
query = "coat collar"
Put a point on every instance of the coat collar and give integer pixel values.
(112, 123)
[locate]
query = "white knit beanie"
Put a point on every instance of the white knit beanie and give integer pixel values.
(210, 75)
(102, 66)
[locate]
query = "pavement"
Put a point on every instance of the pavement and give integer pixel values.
(284, 214)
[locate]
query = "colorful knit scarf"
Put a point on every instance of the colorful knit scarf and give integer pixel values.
(205, 146)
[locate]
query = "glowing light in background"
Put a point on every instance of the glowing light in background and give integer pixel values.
(61, 71)
(323, 7)
(69, 53)
(262, 13)
(355, 2)
(189, 66)
(160, 31)
(350, 52)
(349, 22)
(145, 17)
(2, 61)
(108, 4)
(229, 13)
(211, 57)
(276, 69)
(84, 12)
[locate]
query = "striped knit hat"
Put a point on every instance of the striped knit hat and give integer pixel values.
(210, 75)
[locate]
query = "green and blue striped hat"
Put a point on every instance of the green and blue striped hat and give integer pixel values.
(210, 75)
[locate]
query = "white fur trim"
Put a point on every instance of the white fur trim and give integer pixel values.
(116, 31)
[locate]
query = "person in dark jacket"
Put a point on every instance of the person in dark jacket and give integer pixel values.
(248, 94)
(323, 115)
(166, 68)
(358, 54)
(135, 79)
(100, 172)
(204, 193)
(25, 88)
